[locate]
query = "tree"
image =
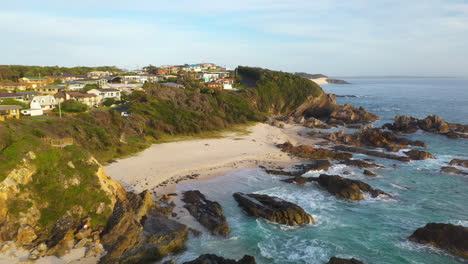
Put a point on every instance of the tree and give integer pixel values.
(88, 87)
(109, 101)
(73, 106)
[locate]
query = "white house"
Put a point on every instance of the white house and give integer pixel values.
(75, 86)
(126, 88)
(104, 94)
(209, 77)
(46, 102)
(35, 110)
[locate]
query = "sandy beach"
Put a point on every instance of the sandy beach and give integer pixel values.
(162, 166)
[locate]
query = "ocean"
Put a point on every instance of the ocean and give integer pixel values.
(372, 230)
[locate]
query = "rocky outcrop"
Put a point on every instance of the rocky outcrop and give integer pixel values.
(453, 170)
(371, 153)
(208, 213)
(315, 165)
(335, 260)
(347, 188)
(369, 173)
(452, 238)
(273, 209)
(349, 114)
(459, 162)
(432, 123)
(373, 137)
(213, 259)
(309, 152)
(419, 155)
(360, 164)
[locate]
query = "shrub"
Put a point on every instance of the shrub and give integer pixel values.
(72, 106)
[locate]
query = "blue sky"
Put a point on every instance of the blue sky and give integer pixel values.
(335, 37)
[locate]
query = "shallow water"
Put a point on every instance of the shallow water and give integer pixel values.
(373, 230)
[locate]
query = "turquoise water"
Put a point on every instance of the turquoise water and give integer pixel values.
(373, 230)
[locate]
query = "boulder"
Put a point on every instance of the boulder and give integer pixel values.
(433, 123)
(419, 155)
(299, 180)
(371, 153)
(213, 259)
(347, 188)
(273, 209)
(208, 213)
(452, 238)
(360, 164)
(453, 170)
(349, 114)
(299, 170)
(403, 124)
(459, 162)
(309, 152)
(335, 260)
(369, 173)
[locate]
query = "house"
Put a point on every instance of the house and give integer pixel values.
(227, 83)
(98, 74)
(28, 96)
(12, 86)
(161, 72)
(116, 79)
(33, 82)
(173, 85)
(9, 111)
(84, 98)
(74, 85)
(194, 68)
(127, 88)
(14, 96)
(35, 110)
(46, 102)
(99, 82)
(68, 77)
(209, 77)
(214, 85)
(105, 94)
(50, 90)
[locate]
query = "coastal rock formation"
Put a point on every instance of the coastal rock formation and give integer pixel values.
(371, 153)
(309, 152)
(459, 162)
(360, 164)
(419, 155)
(347, 188)
(349, 114)
(453, 170)
(432, 123)
(369, 173)
(273, 209)
(299, 170)
(335, 260)
(208, 213)
(213, 259)
(453, 238)
(299, 180)
(373, 137)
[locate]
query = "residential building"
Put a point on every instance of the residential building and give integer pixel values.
(34, 82)
(214, 85)
(173, 85)
(126, 88)
(14, 96)
(98, 74)
(161, 72)
(74, 85)
(50, 90)
(12, 86)
(209, 77)
(28, 96)
(99, 82)
(194, 68)
(9, 111)
(105, 94)
(139, 78)
(67, 77)
(84, 98)
(227, 83)
(35, 109)
(46, 102)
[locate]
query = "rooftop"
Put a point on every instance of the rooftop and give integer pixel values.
(10, 107)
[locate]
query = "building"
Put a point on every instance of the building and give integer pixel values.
(105, 94)
(194, 68)
(34, 82)
(84, 98)
(98, 74)
(161, 72)
(127, 88)
(74, 85)
(99, 82)
(209, 77)
(12, 86)
(28, 96)
(46, 102)
(68, 77)
(139, 78)
(9, 111)
(227, 83)
(50, 90)
(35, 110)
(14, 96)
(214, 85)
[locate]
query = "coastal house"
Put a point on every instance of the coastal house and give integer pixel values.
(49, 90)
(14, 96)
(161, 72)
(74, 85)
(12, 86)
(105, 94)
(34, 82)
(67, 77)
(226, 83)
(214, 85)
(84, 98)
(46, 102)
(98, 74)
(171, 84)
(209, 76)
(34, 110)
(127, 88)
(194, 68)
(28, 96)
(9, 111)
(99, 82)
(139, 78)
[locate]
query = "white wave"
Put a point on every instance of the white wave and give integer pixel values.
(459, 222)
(292, 250)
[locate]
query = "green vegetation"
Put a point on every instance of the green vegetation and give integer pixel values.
(14, 72)
(109, 101)
(9, 101)
(72, 106)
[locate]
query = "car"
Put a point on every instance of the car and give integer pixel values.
(124, 114)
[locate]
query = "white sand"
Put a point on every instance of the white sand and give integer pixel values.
(207, 157)
(321, 80)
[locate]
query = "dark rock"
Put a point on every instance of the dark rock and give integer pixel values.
(433, 123)
(273, 209)
(419, 155)
(299, 180)
(309, 152)
(349, 114)
(360, 164)
(208, 213)
(371, 153)
(369, 173)
(347, 188)
(453, 238)
(452, 134)
(213, 259)
(453, 170)
(459, 162)
(304, 168)
(335, 260)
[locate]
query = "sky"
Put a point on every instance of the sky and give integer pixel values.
(333, 37)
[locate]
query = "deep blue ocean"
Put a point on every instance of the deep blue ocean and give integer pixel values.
(373, 230)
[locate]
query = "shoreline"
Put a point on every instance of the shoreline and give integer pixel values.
(162, 166)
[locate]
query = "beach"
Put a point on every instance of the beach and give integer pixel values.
(202, 159)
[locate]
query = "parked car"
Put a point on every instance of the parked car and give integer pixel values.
(124, 114)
